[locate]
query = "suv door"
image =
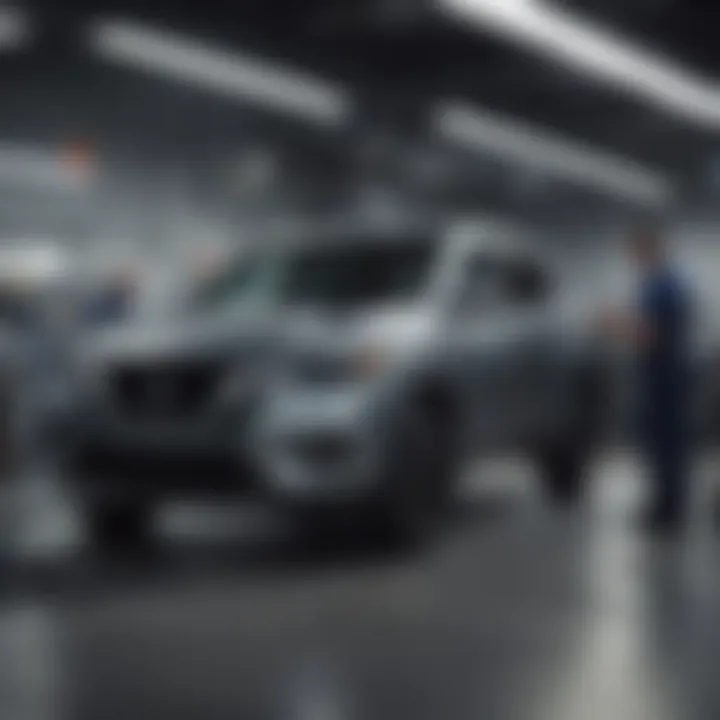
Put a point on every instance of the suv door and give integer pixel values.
(481, 339)
(534, 388)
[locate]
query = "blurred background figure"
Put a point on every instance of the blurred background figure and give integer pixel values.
(114, 301)
(36, 318)
(658, 330)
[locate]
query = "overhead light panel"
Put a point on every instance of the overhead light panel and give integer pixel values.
(585, 48)
(225, 72)
(14, 29)
(527, 146)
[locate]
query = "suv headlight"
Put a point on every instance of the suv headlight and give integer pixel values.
(363, 364)
(370, 362)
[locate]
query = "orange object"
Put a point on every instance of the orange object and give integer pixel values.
(79, 159)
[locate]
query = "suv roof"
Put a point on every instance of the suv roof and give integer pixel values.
(497, 236)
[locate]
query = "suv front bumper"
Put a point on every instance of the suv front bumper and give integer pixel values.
(322, 447)
(297, 448)
(104, 455)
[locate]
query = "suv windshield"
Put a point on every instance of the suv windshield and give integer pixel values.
(327, 275)
(357, 274)
(238, 283)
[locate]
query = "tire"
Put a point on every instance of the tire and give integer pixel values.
(564, 462)
(563, 475)
(417, 486)
(119, 528)
(418, 483)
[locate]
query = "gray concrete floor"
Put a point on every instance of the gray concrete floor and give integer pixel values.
(519, 612)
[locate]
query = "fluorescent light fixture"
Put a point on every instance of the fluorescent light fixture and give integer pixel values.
(225, 72)
(525, 145)
(597, 53)
(14, 29)
(40, 169)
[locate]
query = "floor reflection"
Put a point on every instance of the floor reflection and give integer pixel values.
(522, 612)
(34, 665)
(628, 653)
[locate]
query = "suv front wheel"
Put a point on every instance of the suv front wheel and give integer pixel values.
(119, 527)
(419, 480)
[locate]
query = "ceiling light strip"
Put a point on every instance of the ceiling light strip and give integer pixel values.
(225, 72)
(585, 48)
(14, 29)
(526, 145)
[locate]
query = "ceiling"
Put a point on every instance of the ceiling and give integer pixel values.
(398, 59)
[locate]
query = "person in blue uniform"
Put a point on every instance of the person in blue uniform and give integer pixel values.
(658, 329)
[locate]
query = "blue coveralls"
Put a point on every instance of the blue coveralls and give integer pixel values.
(664, 391)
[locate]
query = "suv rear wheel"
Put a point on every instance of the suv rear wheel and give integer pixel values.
(119, 527)
(564, 461)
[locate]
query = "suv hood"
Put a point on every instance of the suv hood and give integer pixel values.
(199, 337)
(337, 329)
(223, 335)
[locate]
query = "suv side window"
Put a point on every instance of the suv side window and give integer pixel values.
(493, 282)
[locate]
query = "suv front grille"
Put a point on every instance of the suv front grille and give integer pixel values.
(321, 370)
(167, 391)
